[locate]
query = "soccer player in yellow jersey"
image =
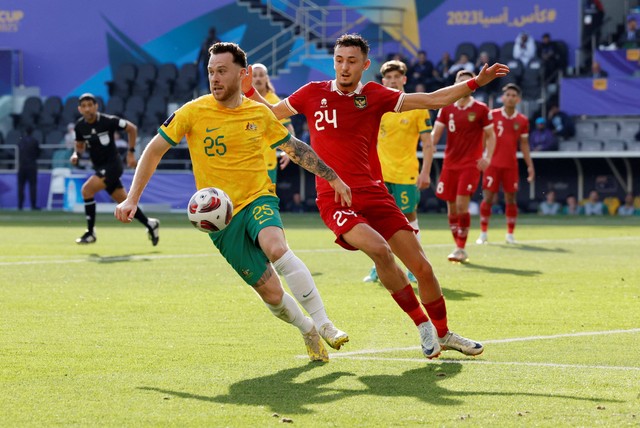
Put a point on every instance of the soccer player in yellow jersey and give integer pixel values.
(397, 142)
(263, 86)
(227, 135)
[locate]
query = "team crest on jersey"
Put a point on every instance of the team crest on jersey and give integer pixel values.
(251, 127)
(323, 103)
(360, 101)
(404, 121)
(471, 116)
(516, 126)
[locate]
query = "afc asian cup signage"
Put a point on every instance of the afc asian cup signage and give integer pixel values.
(10, 20)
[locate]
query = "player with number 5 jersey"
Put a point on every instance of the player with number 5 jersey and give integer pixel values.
(343, 116)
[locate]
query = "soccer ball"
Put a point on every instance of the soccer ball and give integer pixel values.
(210, 210)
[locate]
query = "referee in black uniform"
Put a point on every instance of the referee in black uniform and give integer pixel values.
(94, 131)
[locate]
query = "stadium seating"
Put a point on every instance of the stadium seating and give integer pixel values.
(143, 83)
(615, 146)
(69, 112)
(30, 113)
(122, 80)
(591, 145)
(506, 52)
(115, 105)
(585, 130)
(492, 49)
(51, 112)
(468, 49)
(607, 130)
(532, 78)
(568, 146)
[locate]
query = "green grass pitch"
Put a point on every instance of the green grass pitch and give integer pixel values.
(121, 333)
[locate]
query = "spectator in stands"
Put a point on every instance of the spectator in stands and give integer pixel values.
(550, 206)
(628, 208)
(28, 153)
(550, 56)
(524, 48)
(463, 63)
(572, 207)
(483, 58)
(597, 72)
(421, 71)
(630, 39)
(70, 137)
(542, 138)
(593, 205)
(203, 57)
(593, 13)
(441, 73)
(561, 123)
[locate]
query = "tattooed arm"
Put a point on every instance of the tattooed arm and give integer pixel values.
(302, 154)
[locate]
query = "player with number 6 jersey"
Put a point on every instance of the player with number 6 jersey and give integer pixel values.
(343, 116)
(469, 127)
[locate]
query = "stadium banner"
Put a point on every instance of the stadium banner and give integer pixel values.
(615, 96)
(165, 190)
(499, 21)
(619, 62)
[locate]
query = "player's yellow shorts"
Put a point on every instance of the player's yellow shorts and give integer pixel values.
(238, 242)
(407, 196)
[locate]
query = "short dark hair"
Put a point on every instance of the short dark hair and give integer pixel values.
(353, 40)
(87, 96)
(393, 65)
(463, 72)
(513, 87)
(239, 56)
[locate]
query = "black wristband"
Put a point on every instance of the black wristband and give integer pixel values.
(132, 149)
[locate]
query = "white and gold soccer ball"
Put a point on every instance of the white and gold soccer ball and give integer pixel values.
(210, 210)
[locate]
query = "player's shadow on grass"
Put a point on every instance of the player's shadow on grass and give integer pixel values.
(96, 258)
(534, 248)
(282, 394)
(503, 270)
(452, 294)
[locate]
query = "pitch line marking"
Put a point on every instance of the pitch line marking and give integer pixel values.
(43, 259)
(366, 354)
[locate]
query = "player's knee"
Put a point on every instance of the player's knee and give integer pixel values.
(381, 254)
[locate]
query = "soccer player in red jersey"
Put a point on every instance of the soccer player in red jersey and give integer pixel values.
(470, 145)
(512, 129)
(344, 118)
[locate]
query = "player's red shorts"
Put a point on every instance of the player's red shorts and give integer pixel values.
(370, 205)
(454, 182)
(493, 177)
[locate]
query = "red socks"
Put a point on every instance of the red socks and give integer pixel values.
(485, 215)
(437, 311)
(407, 300)
(511, 213)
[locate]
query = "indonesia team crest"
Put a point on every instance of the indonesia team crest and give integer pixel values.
(360, 101)
(516, 126)
(471, 116)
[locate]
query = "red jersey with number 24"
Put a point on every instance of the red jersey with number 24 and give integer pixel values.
(344, 128)
(508, 130)
(465, 133)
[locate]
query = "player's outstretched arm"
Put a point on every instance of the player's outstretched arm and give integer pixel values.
(445, 96)
(146, 167)
(280, 110)
(302, 154)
